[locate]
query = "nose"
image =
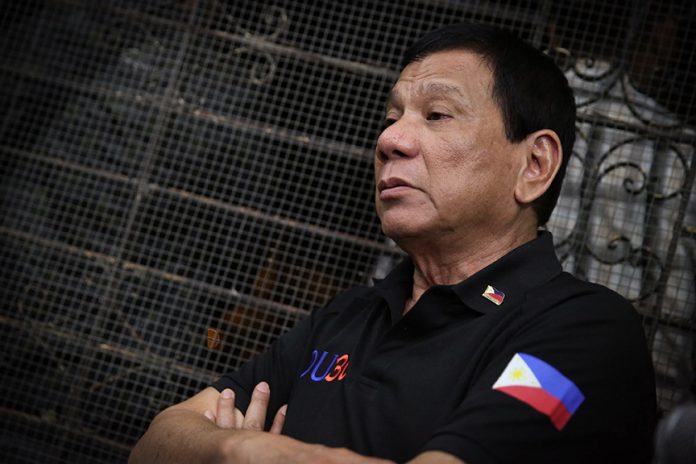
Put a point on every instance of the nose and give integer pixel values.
(398, 140)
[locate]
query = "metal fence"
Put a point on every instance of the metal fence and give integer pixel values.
(181, 181)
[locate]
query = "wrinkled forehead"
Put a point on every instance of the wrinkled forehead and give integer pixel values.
(455, 74)
(425, 89)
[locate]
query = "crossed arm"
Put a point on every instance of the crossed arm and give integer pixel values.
(207, 428)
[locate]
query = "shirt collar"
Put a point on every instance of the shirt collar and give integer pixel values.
(526, 267)
(396, 288)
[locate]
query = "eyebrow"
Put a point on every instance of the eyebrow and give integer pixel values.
(431, 89)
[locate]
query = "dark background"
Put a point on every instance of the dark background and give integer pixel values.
(180, 181)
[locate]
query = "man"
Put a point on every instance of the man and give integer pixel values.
(477, 348)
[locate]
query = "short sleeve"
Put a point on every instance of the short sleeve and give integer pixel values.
(594, 343)
(280, 364)
(276, 366)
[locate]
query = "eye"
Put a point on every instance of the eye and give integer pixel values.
(436, 116)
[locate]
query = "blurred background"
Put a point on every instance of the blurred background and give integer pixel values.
(182, 180)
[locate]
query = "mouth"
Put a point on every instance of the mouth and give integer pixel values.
(393, 188)
(391, 183)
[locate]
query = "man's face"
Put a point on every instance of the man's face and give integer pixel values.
(443, 165)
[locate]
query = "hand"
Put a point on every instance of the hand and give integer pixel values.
(269, 447)
(207, 428)
(229, 417)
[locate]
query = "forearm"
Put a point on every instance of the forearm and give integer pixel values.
(183, 434)
(180, 436)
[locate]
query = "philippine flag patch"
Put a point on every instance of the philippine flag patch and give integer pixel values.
(541, 386)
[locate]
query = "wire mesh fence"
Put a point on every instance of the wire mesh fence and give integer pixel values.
(181, 181)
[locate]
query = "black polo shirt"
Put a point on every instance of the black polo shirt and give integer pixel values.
(358, 374)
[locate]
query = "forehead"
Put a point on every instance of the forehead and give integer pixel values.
(458, 72)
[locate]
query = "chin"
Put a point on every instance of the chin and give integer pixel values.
(406, 223)
(401, 230)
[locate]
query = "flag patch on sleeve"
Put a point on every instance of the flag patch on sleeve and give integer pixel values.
(541, 386)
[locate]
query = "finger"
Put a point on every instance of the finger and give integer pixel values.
(225, 410)
(210, 415)
(238, 418)
(255, 416)
(279, 420)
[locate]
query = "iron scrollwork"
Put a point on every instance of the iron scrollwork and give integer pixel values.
(631, 165)
(275, 23)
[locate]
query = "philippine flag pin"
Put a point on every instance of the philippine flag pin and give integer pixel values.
(494, 295)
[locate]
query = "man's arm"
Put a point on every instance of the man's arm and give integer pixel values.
(207, 428)
(266, 448)
(435, 457)
(185, 433)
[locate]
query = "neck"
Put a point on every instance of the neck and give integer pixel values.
(454, 261)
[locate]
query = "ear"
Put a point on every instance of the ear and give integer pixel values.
(542, 159)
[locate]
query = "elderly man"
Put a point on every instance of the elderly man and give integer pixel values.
(477, 348)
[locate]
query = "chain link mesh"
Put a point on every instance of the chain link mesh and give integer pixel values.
(181, 181)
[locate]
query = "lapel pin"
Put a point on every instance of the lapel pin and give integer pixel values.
(494, 295)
